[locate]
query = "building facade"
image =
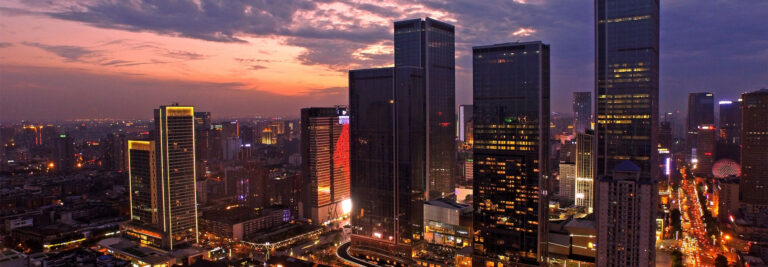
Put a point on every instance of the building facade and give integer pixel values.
(582, 111)
(325, 163)
(626, 218)
(701, 111)
(511, 129)
(429, 44)
(754, 148)
(585, 179)
(388, 161)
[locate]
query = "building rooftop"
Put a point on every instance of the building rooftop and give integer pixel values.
(627, 166)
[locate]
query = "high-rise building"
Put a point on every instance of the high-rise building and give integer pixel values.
(585, 179)
(701, 111)
(567, 190)
(627, 109)
(325, 163)
(730, 121)
(429, 44)
(175, 162)
(64, 154)
(627, 93)
(754, 148)
(142, 182)
(511, 152)
(705, 150)
(626, 218)
(388, 161)
(465, 123)
(582, 111)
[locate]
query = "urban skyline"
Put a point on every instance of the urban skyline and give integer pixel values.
(175, 58)
(402, 172)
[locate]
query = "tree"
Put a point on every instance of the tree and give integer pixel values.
(677, 258)
(721, 261)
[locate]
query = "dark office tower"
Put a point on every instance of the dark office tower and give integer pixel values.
(665, 135)
(429, 44)
(142, 183)
(582, 111)
(626, 218)
(388, 160)
(754, 148)
(465, 123)
(701, 111)
(175, 147)
(705, 150)
(627, 89)
(202, 120)
(325, 163)
(730, 122)
(511, 130)
(64, 154)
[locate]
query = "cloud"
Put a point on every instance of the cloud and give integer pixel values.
(184, 55)
(4, 45)
(257, 67)
(69, 53)
(524, 32)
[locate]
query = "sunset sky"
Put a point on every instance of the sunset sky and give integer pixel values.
(62, 60)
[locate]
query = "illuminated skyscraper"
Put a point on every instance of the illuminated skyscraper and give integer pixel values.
(705, 150)
(325, 163)
(701, 111)
(429, 44)
(175, 160)
(511, 148)
(582, 111)
(627, 69)
(388, 161)
(144, 187)
(585, 180)
(627, 109)
(754, 148)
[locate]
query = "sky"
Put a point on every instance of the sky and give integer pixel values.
(64, 60)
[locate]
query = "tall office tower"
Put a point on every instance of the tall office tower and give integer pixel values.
(582, 111)
(175, 147)
(730, 121)
(429, 44)
(626, 214)
(585, 180)
(705, 150)
(142, 182)
(627, 69)
(388, 157)
(754, 148)
(567, 190)
(701, 111)
(465, 123)
(665, 135)
(511, 153)
(325, 163)
(64, 154)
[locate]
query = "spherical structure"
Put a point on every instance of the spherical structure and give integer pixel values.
(725, 167)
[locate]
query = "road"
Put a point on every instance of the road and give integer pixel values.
(343, 253)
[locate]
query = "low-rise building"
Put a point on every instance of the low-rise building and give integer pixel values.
(239, 222)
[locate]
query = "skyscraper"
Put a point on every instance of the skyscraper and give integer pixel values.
(511, 131)
(585, 179)
(705, 150)
(387, 160)
(175, 159)
(64, 154)
(730, 121)
(325, 162)
(754, 148)
(429, 44)
(627, 69)
(701, 111)
(144, 187)
(626, 215)
(627, 99)
(582, 111)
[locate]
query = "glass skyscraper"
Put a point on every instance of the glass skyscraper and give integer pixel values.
(388, 160)
(429, 44)
(511, 130)
(627, 84)
(582, 111)
(701, 111)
